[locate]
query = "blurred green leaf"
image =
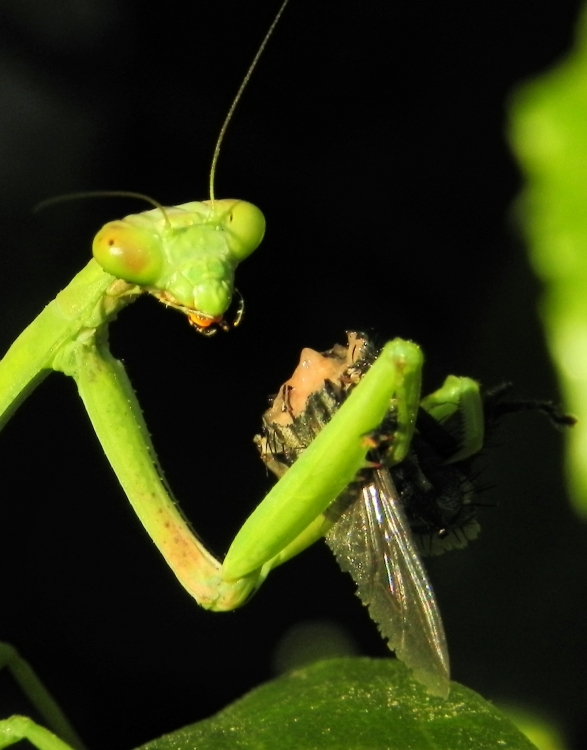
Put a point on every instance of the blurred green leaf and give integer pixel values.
(549, 136)
(353, 704)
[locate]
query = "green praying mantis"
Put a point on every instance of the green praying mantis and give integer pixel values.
(186, 256)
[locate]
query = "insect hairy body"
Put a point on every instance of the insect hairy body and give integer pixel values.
(414, 496)
(309, 399)
(370, 532)
(437, 495)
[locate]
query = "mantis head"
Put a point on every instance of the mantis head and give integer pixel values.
(185, 255)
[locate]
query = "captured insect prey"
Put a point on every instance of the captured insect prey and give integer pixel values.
(415, 495)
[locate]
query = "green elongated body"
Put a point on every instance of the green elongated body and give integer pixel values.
(85, 301)
(196, 248)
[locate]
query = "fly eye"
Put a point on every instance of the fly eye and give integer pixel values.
(128, 252)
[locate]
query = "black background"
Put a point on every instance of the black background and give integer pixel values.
(372, 137)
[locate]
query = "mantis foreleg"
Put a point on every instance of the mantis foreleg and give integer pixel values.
(116, 417)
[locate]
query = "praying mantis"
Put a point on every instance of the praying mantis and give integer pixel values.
(227, 591)
(185, 256)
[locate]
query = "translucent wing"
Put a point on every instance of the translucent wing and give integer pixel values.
(372, 541)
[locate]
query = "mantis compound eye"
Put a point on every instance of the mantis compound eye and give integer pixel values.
(128, 252)
(244, 225)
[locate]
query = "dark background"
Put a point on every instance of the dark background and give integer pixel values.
(372, 136)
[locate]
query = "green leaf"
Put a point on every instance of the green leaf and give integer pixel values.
(355, 704)
(548, 133)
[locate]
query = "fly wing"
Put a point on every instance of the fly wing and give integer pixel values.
(372, 541)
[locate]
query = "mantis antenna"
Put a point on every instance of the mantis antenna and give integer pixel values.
(237, 98)
(103, 194)
(227, 119)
